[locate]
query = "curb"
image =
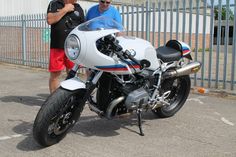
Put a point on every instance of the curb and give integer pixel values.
(214, 92)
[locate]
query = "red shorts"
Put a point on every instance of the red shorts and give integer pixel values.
(58, 60)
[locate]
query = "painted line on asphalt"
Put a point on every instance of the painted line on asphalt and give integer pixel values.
(226, 121)
(3, 138)
(195, 99)
(223, 119)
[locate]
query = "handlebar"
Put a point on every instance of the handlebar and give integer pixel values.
(123, 55)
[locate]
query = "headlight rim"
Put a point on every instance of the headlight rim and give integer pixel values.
(67, 47)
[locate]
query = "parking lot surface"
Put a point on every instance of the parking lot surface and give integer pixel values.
(204, 127)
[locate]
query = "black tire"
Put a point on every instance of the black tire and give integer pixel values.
(57, 116)
(180, 88)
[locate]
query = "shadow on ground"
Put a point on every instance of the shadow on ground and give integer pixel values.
(86, 126)
(26, 100)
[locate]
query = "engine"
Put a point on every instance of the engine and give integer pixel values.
(139, 91)
(137, 99)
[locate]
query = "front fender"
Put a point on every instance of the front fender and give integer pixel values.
(73, 84)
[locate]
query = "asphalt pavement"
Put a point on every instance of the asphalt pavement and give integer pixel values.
(204, 127)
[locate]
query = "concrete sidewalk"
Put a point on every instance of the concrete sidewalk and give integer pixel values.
(204, 127)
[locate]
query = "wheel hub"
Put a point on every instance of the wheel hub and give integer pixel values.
(62, 123)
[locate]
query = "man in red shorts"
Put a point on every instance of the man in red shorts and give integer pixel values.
(58, 12)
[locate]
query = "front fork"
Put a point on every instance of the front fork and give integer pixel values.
(90, 83)
(72, 72)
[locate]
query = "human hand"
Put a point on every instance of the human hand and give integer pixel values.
(69, 7)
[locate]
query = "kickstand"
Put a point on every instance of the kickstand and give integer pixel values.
(139, 114)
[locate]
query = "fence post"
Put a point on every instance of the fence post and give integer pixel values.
(177, 19)
(148, 20)
(196, 37)
(127, 19)
(184, 20)
(153, 23)
(211, 44)
(204, 43)
(233, 51)
(165, 21)
(190, 23)
(23, 39)
(171, 19)
(218, 43)
(137, 21)
(226, 42)
(159, 24)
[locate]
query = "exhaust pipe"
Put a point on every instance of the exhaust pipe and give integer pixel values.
(112, 105)
(190, 68)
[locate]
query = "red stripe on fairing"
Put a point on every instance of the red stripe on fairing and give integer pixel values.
(135, 66)
(186, 51)
(119, 69)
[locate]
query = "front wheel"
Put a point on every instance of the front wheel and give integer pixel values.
(180, 88)
(57, 115)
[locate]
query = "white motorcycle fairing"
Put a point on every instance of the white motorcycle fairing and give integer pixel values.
(90, 57)
(73, 84)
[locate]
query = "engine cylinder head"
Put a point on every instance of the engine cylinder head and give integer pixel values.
(136, 99)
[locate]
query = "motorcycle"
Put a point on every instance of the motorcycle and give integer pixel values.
(129, 76)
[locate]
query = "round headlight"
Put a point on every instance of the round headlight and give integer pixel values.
(72, 47)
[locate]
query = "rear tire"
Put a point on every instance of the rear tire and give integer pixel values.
(180, 88)
(57, 116)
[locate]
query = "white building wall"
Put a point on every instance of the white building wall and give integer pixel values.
(18, 7)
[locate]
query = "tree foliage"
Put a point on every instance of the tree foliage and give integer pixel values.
(223, 14)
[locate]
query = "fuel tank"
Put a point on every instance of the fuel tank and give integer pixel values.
(141, 49)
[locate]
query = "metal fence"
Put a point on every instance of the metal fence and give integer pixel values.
(25, 39)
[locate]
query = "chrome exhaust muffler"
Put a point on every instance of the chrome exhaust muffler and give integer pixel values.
(190, 68)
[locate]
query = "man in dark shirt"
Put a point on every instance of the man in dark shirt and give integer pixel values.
(60, 11)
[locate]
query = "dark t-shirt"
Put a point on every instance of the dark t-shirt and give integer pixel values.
(59, 31)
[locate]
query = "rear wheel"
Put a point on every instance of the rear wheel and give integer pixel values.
(57, 115)
(180, 88)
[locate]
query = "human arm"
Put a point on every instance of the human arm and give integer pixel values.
(54, 17)
(117, 17)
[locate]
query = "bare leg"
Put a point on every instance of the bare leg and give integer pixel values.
(54, 81)
(67, 70)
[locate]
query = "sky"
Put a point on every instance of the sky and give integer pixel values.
(223, 2)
